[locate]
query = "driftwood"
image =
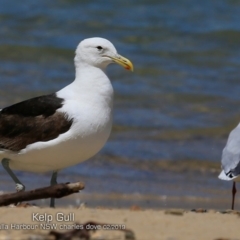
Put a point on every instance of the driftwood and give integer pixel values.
(55, 191)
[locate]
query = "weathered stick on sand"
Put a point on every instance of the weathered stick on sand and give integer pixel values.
(55, 191)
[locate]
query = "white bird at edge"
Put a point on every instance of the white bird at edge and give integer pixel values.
(231, 161)
(55, 131)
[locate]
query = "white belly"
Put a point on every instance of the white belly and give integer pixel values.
(82, 141)
(55, 157)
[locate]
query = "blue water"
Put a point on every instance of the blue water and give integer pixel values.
(179, 104)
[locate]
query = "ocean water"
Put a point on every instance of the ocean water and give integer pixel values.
(172, 115)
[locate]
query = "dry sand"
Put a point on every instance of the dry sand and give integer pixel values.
(146, 224)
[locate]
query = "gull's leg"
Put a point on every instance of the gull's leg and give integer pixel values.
(53, 182)
(19, 186)
(234, 190)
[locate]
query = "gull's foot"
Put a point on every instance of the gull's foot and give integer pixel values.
(20, 187)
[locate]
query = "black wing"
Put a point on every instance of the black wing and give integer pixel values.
(32, 121)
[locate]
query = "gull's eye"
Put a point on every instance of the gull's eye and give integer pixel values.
(99, 48)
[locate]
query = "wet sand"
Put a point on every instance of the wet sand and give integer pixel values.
(146, 224)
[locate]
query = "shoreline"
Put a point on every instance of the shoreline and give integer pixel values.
(125, 201)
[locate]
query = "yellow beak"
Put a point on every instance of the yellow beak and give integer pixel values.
(122, 61)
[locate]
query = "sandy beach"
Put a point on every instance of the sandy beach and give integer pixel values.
(171, 224)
